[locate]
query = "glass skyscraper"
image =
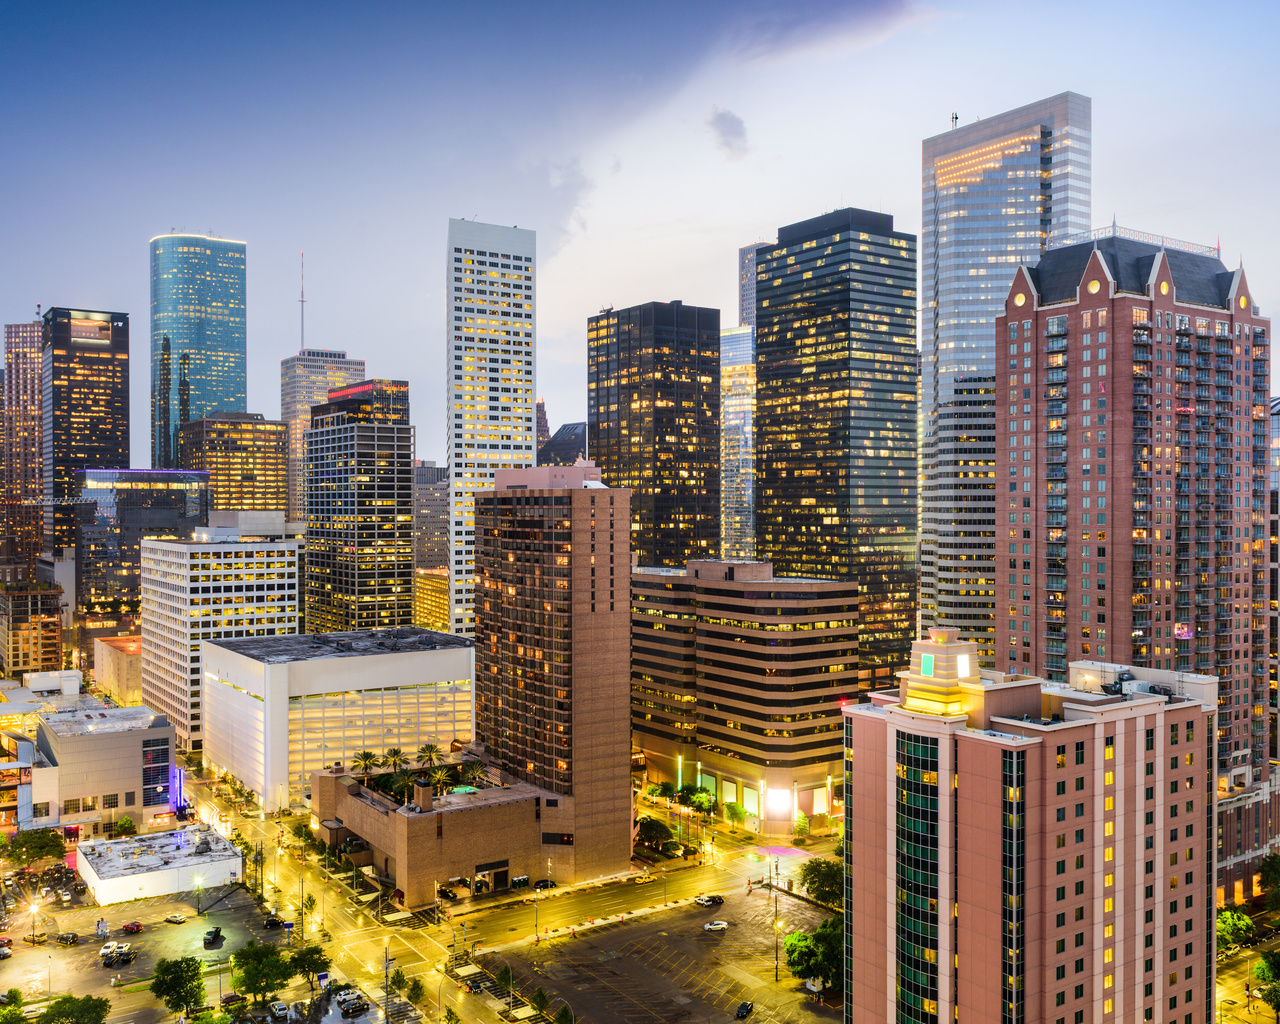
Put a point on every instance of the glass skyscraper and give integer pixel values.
(995, 192)
(835, 421)
(737, 444)
(305, 380)
(197, 335)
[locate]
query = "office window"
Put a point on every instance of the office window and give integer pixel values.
(110, 800)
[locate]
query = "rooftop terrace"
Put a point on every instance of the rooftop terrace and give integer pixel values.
(278, 650)
(135, 855)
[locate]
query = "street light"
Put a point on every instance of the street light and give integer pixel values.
(34, 911)
(198, 895)
(775, 934)
(387, 961)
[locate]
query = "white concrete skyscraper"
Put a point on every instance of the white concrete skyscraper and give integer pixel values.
(491, 329)
(995, 192)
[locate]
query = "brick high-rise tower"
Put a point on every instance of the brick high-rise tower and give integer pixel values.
(1133, 426)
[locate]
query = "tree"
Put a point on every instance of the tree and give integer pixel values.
(823, 879)
(310, 961)
(428, 755)
(566, 1016)
(653, 791)
(37, 844)
(702, 802)
(451, 1016)
(1267, 971)
(440, 780)
(1233, 928)
(417, 991)
(802, 954)
(365, 761)
(1269, 869)
(652, 833)
(395, 759)
(505, 979)
(192, 759)
(818, 954)
(13, 997)
(12, 1014)
(540, 1001)
(735, 812)
(402, 783)
(261, 969)
(801, 824)
(667, 790)
(179, 984)
(398, 981)
(471, 771)
(124, 826)
(76, 1010)
(301, 831)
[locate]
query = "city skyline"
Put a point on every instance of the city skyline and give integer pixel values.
(589, 184)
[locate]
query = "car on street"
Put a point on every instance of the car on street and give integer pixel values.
(39, 939)
(348, 995)
(717, 900)
(744, 1010)
(68, 939)
(5, 952)
(716, 926)
(279, 1011)
(446, 894)
(354, 1008)
(108, 949)
(705, 901)
(120, 957)
(272, 922)
(133, 927)
(5, 941)
(544, 883)
(79, 888)
(176, 918)
(645, 879)
(64, 896)
(231, 999)
(212, 936)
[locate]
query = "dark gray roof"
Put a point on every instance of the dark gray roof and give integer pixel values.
(274, 650)
(1196, 278)
(566, 446)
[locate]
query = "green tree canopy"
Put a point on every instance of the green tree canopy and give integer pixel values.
(179, 984)
(395, 759)
(37, 844)
(1267, 971)
(416, 992)
(667, 790)
(310, 961)
(540, 1001)
(124, 826)
(365, 761)
(823, 879)
(261, 969)
(652, 833)
(801, 824)
(76, 1010)
(1233, 928)
(818, 954)
(735, 812)
(428, 755)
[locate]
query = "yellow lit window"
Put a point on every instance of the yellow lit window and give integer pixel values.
(1109, 804)
(1106, 1003)
(1110, 778)
(1108, 879)
(1109, 828)
(1108, 931)
(1111, 753)
(1107, 956)
(1108, 853)
(1109, 904)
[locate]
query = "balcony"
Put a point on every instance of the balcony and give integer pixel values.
(1056, 343)
(1056, 376)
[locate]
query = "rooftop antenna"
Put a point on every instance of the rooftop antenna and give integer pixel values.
(302, 296)
(955, 120)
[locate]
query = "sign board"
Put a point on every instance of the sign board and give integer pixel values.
(233, 876)
(322, 979)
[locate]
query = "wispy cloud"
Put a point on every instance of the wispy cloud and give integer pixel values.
(730, 132)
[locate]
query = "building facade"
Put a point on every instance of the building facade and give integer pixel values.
(1159, 338)
(197, 336)
(30, 627)
(835, 420)
(305, 380)
(1041, 852)
(747, 282)
(360, 509)
(194, 591)
(431, 598)
(430, 516)
(542, 427)
(115, 510)
(553, 654)
(282, 707)
(117, 666)
(737, 443)
(994, 194)
(738, 678)
(245, 455)
(491, 276)
(653, 423)
(1273, 572)
(23, 438)
(565, 447)
(84, 408)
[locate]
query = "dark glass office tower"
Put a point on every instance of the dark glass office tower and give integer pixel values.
(197, 335)
(84, 407)
(653, 423)
(835, 421)
(360, 509)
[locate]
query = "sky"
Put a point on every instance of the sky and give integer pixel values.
(644, 143)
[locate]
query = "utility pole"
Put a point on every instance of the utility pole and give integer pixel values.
(387, 961)
(775, 933)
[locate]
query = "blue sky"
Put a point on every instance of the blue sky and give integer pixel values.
(643, 142)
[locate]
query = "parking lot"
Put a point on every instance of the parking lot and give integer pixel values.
(664, 967)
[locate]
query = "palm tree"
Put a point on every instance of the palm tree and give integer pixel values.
(402, 783)
(395, 759)
(365, 762)
(428, 755)
(471, 771)
(540, 1001)
(566, 1016)
(440, 780)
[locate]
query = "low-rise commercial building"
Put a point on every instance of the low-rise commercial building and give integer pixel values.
(738, 679)
(279, 708)
(117, 668)
(160, 864)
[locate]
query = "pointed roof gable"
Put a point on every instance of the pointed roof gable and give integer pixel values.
(1199, 279)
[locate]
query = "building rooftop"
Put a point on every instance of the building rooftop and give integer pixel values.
(756, 572)
(278, 650)
(103, 720)
(137, 855)
(124, 644)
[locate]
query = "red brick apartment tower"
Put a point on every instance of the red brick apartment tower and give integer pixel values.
(1133, 435)
(1030, 852)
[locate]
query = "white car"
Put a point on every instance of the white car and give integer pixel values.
(716, 926)
(705, 901)
(279, 1011)
(108, 949)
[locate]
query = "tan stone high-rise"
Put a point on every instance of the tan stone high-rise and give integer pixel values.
(1031, 851)
(553, 654)
(245, 455)
(305, 380)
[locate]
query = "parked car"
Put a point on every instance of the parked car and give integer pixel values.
(212, 935)
(5, 952)
(272, 922)
(39, 939)
(79, 888)
(176, 918)
(354, 1008)
(232, 998)
(717, 900)
(446, 894)
(279, 1011)
(64, 896)
(744, 1010)
(108, 949)
(705, 901)
(544, 883)
(348, 995)
(716, 926)
(68, 939)
(5, 942)
(133, 927)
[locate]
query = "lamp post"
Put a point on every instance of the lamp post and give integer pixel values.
(775, 934)
(664, 885)
(197, 895)
(511, 990)
(34, 912)
(387, 961)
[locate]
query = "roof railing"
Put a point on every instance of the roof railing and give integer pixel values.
(1113, 231)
